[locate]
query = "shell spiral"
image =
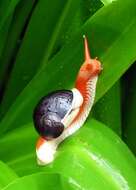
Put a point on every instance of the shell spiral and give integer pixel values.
(50, 111)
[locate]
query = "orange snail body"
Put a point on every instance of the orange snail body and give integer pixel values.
(81, 104)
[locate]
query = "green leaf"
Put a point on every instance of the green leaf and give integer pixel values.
(3, 35)
(17, 23)
(6, 11)
(110, 41)
(41, 181)
(129, 108)
(47, 27)
(6, 175)
(70, 22)
(94, 157)
(108, 109)
(106, 2)
(11, 141)
(86, 9)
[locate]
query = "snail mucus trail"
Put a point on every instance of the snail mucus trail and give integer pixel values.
(61, 113)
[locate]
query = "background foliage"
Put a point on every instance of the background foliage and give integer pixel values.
(41, 41)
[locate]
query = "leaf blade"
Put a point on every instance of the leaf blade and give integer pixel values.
(88, 152)
(129, 108)
(109, 47)
(7, 175)
(108, 109)
(41, 180)
(42, 35)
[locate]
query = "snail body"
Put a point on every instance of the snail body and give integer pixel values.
(61, 113)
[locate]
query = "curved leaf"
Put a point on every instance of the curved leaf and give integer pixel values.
(95, 158)
(70, 21)
(17, 23)
(48, 24)
(106, 2)
(6, 9)
(85, 11)
(129, 109)
(108, 109)
(6, 12)
(110, 41)
(41, 181)
(7, 175)
(3, 36)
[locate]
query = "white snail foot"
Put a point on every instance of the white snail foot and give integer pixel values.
(46, 153)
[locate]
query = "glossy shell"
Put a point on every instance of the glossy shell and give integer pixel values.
(50, 111)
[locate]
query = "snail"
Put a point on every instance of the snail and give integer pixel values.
(61, 113)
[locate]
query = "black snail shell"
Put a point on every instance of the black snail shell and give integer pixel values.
(49, 112)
